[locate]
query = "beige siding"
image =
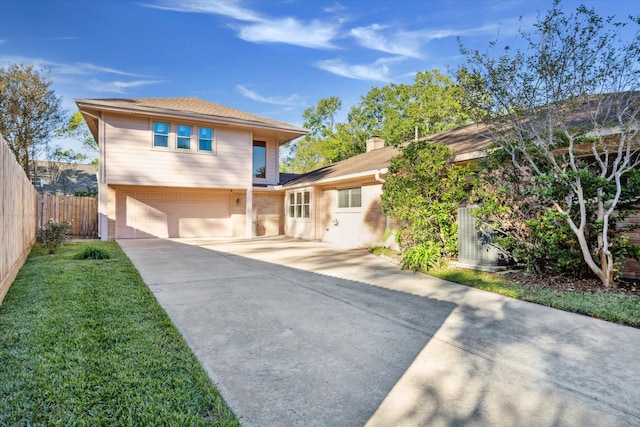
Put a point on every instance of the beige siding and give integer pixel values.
(272, 163)
(131, 159)
(144, 212)
(238, 214)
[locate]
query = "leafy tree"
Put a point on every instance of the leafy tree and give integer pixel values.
(327, 142)
(29, 111)
(62, 164)
(400, 112)
(396, 113)
(513, 214)
(424, 189)
(77, 128)
(565, 110)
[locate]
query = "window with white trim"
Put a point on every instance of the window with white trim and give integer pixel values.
(300, 204)
(350, 197)
(160, 134)
(183, 135)
(184, 138)
(205, 139)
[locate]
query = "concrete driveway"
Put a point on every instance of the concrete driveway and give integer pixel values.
(297, 333)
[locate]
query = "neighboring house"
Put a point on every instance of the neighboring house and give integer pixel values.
(340, 203)
(64, 178)
(184, 167)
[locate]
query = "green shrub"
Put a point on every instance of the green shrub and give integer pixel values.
(423, 190)
(54, 234)
(424, 256)
(94, 252)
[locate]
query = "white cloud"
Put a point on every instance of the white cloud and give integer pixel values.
(228, 8)
(53, 39)
(260, 29)
(315, 34)
(117, 86)
(377, 71)
(400, 43)
(336, 7)
(293, 100)
(101, 69)
(409, 43)
(80, 68)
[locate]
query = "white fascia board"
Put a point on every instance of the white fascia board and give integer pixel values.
(364, 174)
(160, 112)
(471, 155)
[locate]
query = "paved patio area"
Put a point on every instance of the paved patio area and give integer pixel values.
(300, 333)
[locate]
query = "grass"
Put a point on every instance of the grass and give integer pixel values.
(84, 342)
(614, 307)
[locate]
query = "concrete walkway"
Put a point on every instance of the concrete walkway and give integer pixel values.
(297, 333)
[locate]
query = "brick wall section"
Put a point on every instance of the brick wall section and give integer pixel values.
(631, 268)
(111, 213)
(269, 212)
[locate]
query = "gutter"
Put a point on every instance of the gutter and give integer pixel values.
(160, 112)
(338, 178)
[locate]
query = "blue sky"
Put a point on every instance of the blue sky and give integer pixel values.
(268, 57)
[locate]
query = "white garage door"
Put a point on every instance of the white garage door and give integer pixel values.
(159, 212)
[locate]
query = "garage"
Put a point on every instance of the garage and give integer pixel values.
(144, 212)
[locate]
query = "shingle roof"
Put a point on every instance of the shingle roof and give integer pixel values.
(371, 161)
(188, 105)
(463, 140)
(466, 142)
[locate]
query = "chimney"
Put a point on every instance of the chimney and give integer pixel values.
(374, 143)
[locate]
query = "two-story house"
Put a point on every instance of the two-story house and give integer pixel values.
(184, 167)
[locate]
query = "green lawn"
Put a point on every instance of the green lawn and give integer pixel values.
(84, 342)
(614, 307)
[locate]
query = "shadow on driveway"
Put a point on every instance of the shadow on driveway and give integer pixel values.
(298, 333)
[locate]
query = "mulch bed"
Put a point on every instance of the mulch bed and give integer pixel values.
(563, 282)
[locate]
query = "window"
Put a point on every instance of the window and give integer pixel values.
(160, 134)
(183, 133)
(259, 159)
(350, 198)
(299, 204)
(202, 137)
(205, 139)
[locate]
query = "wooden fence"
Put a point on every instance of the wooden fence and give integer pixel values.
(18, 199)
(82, 212)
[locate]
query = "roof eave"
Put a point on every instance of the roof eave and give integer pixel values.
(330, 180)
(164, 112)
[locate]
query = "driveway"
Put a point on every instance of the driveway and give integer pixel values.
(298, 333)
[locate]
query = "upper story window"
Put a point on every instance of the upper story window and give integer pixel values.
(183, 135)
(160, 134)
(184, 138)
(299, 204)
(259, 159)
(205, 139)
(350, 197)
